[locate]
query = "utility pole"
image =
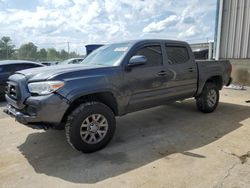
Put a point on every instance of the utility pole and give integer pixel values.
(68, 49)
(7, 54)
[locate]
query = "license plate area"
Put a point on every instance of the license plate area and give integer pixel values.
(12, 110)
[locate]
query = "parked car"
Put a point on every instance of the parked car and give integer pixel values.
(8, 67)
(71, 61)
(50, 63)
(113, 80)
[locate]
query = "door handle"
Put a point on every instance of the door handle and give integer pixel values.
(191, 69)
(162, 73)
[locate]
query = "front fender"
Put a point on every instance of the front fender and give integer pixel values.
(76, 94)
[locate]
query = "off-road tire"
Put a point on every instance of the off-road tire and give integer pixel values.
(77, 117)
(202, 102)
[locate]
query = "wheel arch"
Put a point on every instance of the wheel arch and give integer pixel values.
(105, 97)
(217, 80)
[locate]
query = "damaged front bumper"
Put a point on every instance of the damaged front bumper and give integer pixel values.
(39, 111)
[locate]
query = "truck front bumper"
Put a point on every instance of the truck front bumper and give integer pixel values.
(39, 110)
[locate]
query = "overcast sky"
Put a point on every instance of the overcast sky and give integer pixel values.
(51, 23)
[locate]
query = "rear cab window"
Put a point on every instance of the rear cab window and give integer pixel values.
(177, 54)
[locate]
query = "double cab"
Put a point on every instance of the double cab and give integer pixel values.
(113, 80)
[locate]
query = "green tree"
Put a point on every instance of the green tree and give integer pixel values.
(28, 51)
(64, 54)
(53, 54)
(6, 48)
(42, 54)
(73, 55)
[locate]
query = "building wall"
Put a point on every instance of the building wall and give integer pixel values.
(233, 29)
(232, 37)
(241, 71)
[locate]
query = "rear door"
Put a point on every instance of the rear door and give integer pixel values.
(183, 70)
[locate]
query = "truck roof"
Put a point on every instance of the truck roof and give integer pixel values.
(143, 41)
(156, 40)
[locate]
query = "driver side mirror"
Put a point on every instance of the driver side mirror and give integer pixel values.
(134, 61)
(137, 60)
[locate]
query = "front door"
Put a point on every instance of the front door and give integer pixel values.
(147, 81)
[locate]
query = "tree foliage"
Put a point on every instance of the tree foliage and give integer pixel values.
(42, 54)
(27, 51)
(30, 51)
(6, 48)
(64, 54)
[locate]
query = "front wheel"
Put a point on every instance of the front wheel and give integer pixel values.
(90, 127)
(209, 98)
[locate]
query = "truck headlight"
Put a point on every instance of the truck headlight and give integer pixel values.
(45, 88)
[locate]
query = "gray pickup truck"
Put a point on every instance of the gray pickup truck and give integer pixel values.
(113, 80)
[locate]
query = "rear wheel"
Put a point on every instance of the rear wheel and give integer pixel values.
(90, 127)
(209, 98)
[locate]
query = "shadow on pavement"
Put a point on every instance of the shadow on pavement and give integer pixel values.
(141, 138)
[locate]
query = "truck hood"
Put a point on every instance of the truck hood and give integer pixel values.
(44, 73)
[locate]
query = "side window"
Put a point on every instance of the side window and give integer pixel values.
(28, 66)
(1, 69)
(25, 66)
(152, 53)
(177, 54)
(7, 69)
(76, 61)
(80, 60)
(19, 67)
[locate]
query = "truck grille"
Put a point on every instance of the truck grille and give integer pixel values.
(11, 91)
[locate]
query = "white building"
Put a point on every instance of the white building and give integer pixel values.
(232, 37)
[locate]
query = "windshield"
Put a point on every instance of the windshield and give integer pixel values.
(108, 55)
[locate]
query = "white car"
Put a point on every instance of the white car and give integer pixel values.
(71, 61)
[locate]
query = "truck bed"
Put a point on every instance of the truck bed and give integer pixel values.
(210, 68)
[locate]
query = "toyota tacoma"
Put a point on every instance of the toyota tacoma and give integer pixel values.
(114, 80)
